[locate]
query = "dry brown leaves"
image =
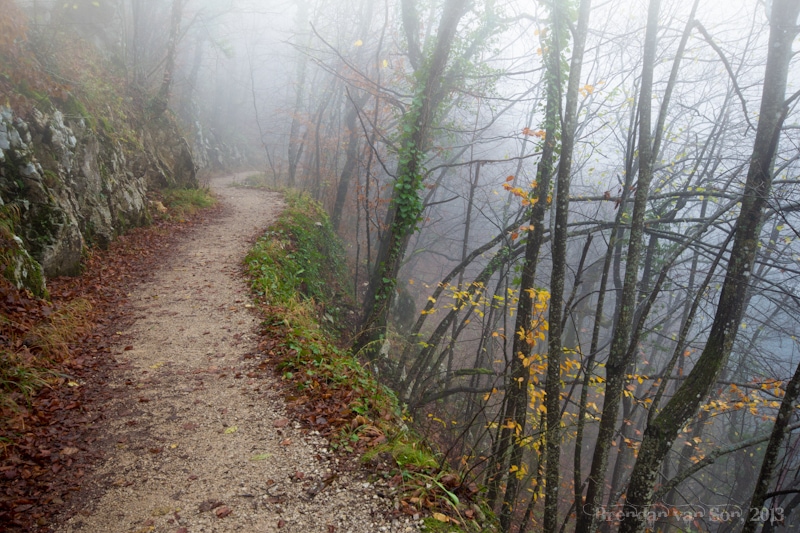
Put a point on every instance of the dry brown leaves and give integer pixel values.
(50, 443)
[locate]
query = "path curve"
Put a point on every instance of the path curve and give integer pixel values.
(197, 441)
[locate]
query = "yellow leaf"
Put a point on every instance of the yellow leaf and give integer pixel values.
(260, 457)
(232, 429)
(385, 63)
(358, 43)
(441, 518)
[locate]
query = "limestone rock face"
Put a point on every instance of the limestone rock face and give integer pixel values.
(19, 267)
(72, 185)
(167, 160)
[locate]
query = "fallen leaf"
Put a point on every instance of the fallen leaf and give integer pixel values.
(223, 511)
(232, 429)
(286, 442)
(441, 518)
(283, 422)
(208, 505)
(281, 523)
(261, 456)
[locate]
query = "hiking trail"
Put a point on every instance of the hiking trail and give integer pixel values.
(196, 441)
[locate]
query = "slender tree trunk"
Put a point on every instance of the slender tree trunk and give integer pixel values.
(785, 413)
(350, 163)
(295, 138)
(162, 100)
(515, 417)
(617, 361)
(661, 432)
(559, 252)
(406, 207)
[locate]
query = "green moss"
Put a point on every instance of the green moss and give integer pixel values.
(407, 451)
(106, 125)
(74, 108)
(433, 525)
(44, 221)
(41, 99)
(51, 179)
(23, 271)
(16, 265)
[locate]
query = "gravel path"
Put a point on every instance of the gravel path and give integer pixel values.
(198, 442)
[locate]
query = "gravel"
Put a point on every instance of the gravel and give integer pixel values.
(197, 445)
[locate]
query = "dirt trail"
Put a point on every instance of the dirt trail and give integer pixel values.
(195, 445)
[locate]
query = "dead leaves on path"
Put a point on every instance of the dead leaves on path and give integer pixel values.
(48, 444)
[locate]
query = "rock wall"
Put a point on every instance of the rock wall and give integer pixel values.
(70, 184)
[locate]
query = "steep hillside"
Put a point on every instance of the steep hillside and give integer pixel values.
(79, 151)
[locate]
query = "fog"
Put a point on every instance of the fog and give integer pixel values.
(343, 100)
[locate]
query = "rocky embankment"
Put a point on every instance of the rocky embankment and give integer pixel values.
(68, 184)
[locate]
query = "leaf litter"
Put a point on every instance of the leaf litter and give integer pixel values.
(171, 450)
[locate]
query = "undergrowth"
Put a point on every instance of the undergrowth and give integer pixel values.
(297, 272)
(258, 181)
(35, 341)
(185, 203)
(300, 260)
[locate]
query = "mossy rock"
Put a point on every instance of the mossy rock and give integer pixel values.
(20, 268)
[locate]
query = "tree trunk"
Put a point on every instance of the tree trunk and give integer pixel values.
(617, 361)
(661, 432)
(295, 139)
(785, 413)
(350, 163)
(515, 416)
(162, 100)
(559, 253)
(406, 207)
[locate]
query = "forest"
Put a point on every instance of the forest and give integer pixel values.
(571, 225)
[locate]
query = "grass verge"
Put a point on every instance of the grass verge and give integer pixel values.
(181, 204)
(35, 338)
(297, 273)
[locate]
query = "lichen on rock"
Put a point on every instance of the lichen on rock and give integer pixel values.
(76, 187)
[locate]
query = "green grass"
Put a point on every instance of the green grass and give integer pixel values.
(300, 257)
(297, 272)
(408, 453)
(33, 352)
(183, 203)
(21, 377)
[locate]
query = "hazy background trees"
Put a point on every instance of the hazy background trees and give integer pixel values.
(540, 230)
